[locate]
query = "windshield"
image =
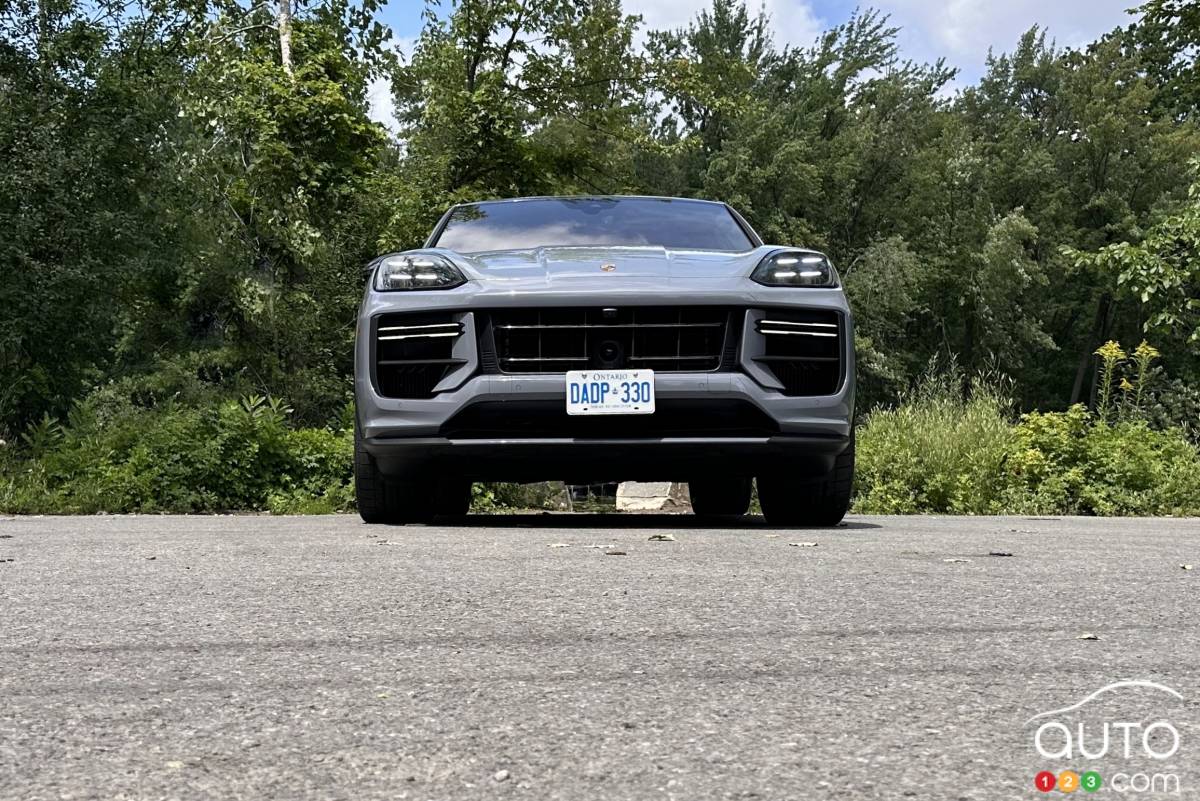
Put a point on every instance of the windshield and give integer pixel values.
(514, 225)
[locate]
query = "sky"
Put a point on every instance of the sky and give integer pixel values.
(962, 31)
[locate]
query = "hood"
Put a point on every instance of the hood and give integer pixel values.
(610, 266)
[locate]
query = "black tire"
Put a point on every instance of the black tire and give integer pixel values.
(822, 501)
(394, 502)
(372, 492)
(720, 497)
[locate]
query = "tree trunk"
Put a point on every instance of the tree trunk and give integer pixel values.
(285, 35)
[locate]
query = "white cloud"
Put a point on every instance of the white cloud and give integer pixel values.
(960, 30)
(665, 14)
(792, 21)
(964, 30)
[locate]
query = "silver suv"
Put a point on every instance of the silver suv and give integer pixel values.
(592, 339)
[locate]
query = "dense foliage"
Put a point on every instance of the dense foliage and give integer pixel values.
(188, 189)
(943, 451)
(230, 455)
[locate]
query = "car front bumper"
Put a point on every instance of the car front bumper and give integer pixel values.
(406, 437)
(410, 435)
(585, 461)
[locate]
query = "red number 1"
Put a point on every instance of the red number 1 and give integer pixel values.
(1045, 781)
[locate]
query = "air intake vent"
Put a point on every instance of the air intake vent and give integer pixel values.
(413, 353)
(690, 339)
(803, 348)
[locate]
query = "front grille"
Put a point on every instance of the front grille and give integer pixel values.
(673, 417)
(673, 339)
(414, 352)
(803, 348)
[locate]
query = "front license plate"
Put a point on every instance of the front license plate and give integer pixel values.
(610, 392)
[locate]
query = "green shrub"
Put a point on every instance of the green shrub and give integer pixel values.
(319, 473)
(500, 496)
(937, 452)
(941, 452)
(238, 455)
(1071, 463)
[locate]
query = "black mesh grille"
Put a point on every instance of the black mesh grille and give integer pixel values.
(803, 348)
(666, 339)
(413, 353)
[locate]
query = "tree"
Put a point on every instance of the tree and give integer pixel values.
(513, 97)
(189, 189)
(280, 155)
(1076, 139)
(710, 70)
(1167, 37)
(85, 121)
(1162, 272)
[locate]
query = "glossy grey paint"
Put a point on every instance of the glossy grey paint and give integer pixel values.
(571, 276)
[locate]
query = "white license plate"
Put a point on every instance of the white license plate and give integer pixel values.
(610, 392)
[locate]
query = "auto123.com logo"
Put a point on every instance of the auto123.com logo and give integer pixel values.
(1119, 739)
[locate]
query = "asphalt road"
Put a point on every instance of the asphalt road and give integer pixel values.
(317, 658)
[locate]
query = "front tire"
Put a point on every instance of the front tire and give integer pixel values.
(720, 497)
(373, 494)
(822, 501)
(399, 501)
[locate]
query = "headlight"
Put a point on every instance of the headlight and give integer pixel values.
(795, 268)
(417, 271)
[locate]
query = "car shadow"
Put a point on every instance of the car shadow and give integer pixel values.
(613, 520)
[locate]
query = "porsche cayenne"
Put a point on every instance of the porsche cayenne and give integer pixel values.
(591, 339)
